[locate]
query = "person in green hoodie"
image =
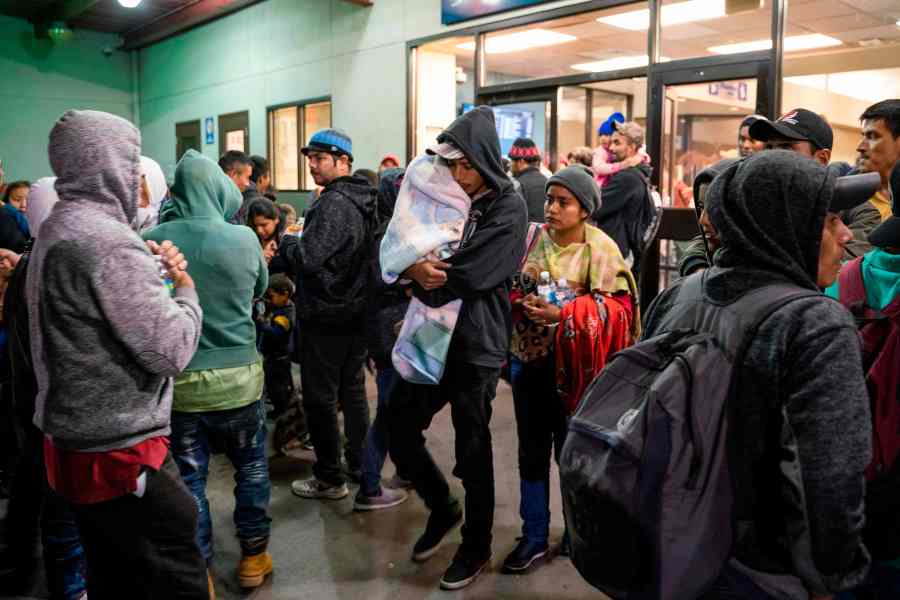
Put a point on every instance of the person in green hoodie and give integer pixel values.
(217, 402)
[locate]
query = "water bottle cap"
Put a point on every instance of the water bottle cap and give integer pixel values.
(545, 274)
(563, 282)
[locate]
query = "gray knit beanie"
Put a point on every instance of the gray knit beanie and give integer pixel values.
(579, 180)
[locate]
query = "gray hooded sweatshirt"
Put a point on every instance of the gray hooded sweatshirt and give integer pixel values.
(106, 336)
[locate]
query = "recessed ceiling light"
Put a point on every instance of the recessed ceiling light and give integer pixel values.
(672, 14)
(520, 40)
(616, 64)
(791, 44)
(129, 3)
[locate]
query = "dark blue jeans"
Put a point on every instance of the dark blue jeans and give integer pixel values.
(376, 446)
(241, 434)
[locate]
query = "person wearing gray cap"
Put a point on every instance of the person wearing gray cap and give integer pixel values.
(799, 435)
(587, 261)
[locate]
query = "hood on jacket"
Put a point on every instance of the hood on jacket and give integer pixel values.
(41, 199)
(359, 191)
(388, 190)
(201, 189)
(705, 177)
(475, 134)
(155, 180)
(96, 159)
(769, 210)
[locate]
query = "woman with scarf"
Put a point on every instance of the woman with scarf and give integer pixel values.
(550, 341)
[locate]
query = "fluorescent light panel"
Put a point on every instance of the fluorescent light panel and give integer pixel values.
(793, 43)
(617, 63)
(672, 14)
(520, 40)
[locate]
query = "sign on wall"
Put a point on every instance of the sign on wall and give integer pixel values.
(454, 11)
(210, 129)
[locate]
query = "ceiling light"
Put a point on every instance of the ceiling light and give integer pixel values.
(521, 40)
(791, 44)
(672, 14)
(129, 3)
(616, 64)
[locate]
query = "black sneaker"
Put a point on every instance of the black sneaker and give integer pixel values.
(463, 571)
(437, 528)
(524, 555)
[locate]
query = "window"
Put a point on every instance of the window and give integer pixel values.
(234, 132)
(859, 65)
(290, 128)
(590, 42)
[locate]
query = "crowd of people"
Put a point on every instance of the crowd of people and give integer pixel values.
(146, 326)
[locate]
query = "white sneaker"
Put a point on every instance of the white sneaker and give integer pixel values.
(315, 489)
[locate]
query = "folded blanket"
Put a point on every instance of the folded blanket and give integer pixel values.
(428, 222)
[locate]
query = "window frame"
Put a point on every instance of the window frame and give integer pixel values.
(300, 105)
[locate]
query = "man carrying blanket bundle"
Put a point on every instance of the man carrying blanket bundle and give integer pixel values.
(456, 333)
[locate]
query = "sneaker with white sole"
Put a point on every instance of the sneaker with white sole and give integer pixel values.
(386, 499)
(318, 490)
(463, 571)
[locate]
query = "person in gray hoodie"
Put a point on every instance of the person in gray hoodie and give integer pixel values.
(799, 435)
(107, 337)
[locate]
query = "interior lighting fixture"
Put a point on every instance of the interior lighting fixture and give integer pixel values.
(129, 3)
(520, 40)
(672, 14)
(617, 63)
(793, 43)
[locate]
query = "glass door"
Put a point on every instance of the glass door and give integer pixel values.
(530, 115)
(694, 125)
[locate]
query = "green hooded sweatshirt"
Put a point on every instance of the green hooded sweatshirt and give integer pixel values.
(225, 261)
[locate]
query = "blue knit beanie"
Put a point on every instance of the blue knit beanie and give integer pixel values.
(607, 127)
(333, 141)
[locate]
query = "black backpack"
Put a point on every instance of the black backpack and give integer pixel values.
(646, 486)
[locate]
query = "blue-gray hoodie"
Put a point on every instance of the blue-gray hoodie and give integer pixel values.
(106, 336)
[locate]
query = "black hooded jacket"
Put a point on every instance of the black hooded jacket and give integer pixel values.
(621, 211)
(534, 191)
(482, 268)
(330, 259)
(799, 425)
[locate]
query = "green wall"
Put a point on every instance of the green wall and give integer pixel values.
(41, 80)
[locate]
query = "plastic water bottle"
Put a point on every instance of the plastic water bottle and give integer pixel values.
(164, 274)
(545, 288)
(564, 293)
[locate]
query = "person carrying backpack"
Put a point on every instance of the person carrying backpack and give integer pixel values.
(723, 455)
(869, 287)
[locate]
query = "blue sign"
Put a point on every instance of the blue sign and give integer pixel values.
(454, 11)
(210, 130)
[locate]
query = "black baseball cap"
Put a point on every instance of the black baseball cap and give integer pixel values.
(887, 235)
(852, 190)
(800, 125)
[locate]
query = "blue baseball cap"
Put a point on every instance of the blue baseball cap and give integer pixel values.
(333, 141)
(608, 127)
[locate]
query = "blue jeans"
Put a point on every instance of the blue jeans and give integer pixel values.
(241, 434)
(882, 583)
(376, 447)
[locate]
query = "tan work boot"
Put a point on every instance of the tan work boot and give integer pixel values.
(209, 583)
(252, 570)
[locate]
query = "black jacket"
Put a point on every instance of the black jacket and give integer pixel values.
(11, 237)
(249, 196)
(277, 331)
(482, 269)
(623, 201)
(534, 191)
(800, 433)
(330, 258)
(15, 317)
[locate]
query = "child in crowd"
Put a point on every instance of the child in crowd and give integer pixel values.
(276, 330)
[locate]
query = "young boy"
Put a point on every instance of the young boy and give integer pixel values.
(276, 332)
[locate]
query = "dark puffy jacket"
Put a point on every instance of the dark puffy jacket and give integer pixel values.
(799, 436)
(249, 196)
(482, 269)
(621, 211)
(329, 257)
(534, 191)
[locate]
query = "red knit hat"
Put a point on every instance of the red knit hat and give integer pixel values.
(524, 149)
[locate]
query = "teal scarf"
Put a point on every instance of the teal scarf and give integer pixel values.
(881, 273)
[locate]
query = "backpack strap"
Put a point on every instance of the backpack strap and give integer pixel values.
(851, 288)
(531, 238)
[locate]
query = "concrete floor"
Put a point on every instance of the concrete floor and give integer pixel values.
(325, 550)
